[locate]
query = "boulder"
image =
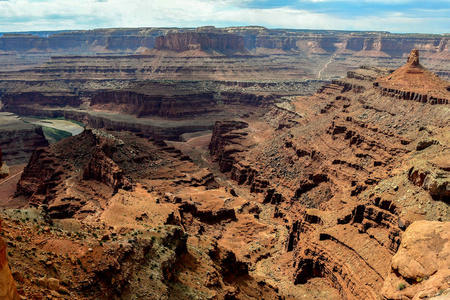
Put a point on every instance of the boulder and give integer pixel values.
(421, 267)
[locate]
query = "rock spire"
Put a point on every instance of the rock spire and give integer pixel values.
(413, 58)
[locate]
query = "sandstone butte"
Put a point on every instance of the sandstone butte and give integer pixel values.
(343, 194)
(414, 82)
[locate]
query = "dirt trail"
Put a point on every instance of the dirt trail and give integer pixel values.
(8, 184)
(325, 66)
(9, 178)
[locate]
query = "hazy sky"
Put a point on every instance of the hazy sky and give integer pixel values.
(427, 16)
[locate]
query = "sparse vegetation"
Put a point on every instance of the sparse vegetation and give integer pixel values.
(401, 286)
(441, 291)
(55, 134)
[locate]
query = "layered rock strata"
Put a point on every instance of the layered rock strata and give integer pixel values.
(323, 191)
(420, 269)
(340, 177)
(179, 39)
(112, 161)
(328, 53)
(213, 42)
(414, 82)
(19, 139)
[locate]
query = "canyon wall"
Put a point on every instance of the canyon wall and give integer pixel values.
(339, 179)
(84, 41)
(19, 139)
(310, 48)
(46, 99)
(141, 105)
(206, 41)
(398, 45)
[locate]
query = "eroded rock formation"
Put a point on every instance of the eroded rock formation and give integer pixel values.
(213, 42)
(339, 178)
(413, 58)
(414, 82)
(306, 197)
(420, 269)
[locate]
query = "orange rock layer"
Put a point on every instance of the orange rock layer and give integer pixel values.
(8, 289)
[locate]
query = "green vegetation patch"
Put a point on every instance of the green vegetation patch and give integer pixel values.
(54, 135)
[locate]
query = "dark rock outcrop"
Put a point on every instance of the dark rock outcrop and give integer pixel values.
(434, 180)
(142, 105)
(37, 98)
(18, 139)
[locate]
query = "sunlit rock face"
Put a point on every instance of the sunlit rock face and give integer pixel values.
(8, 289)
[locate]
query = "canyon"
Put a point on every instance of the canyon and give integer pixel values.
(216, 165)
(71, 73)
(232, 48)
(157, 80)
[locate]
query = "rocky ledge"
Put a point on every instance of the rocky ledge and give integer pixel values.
(348, 171)
(213, 42)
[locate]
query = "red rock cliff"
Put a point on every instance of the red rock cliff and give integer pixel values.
(7, 285)
(47, 172)
(206, 41)
(143, 105)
